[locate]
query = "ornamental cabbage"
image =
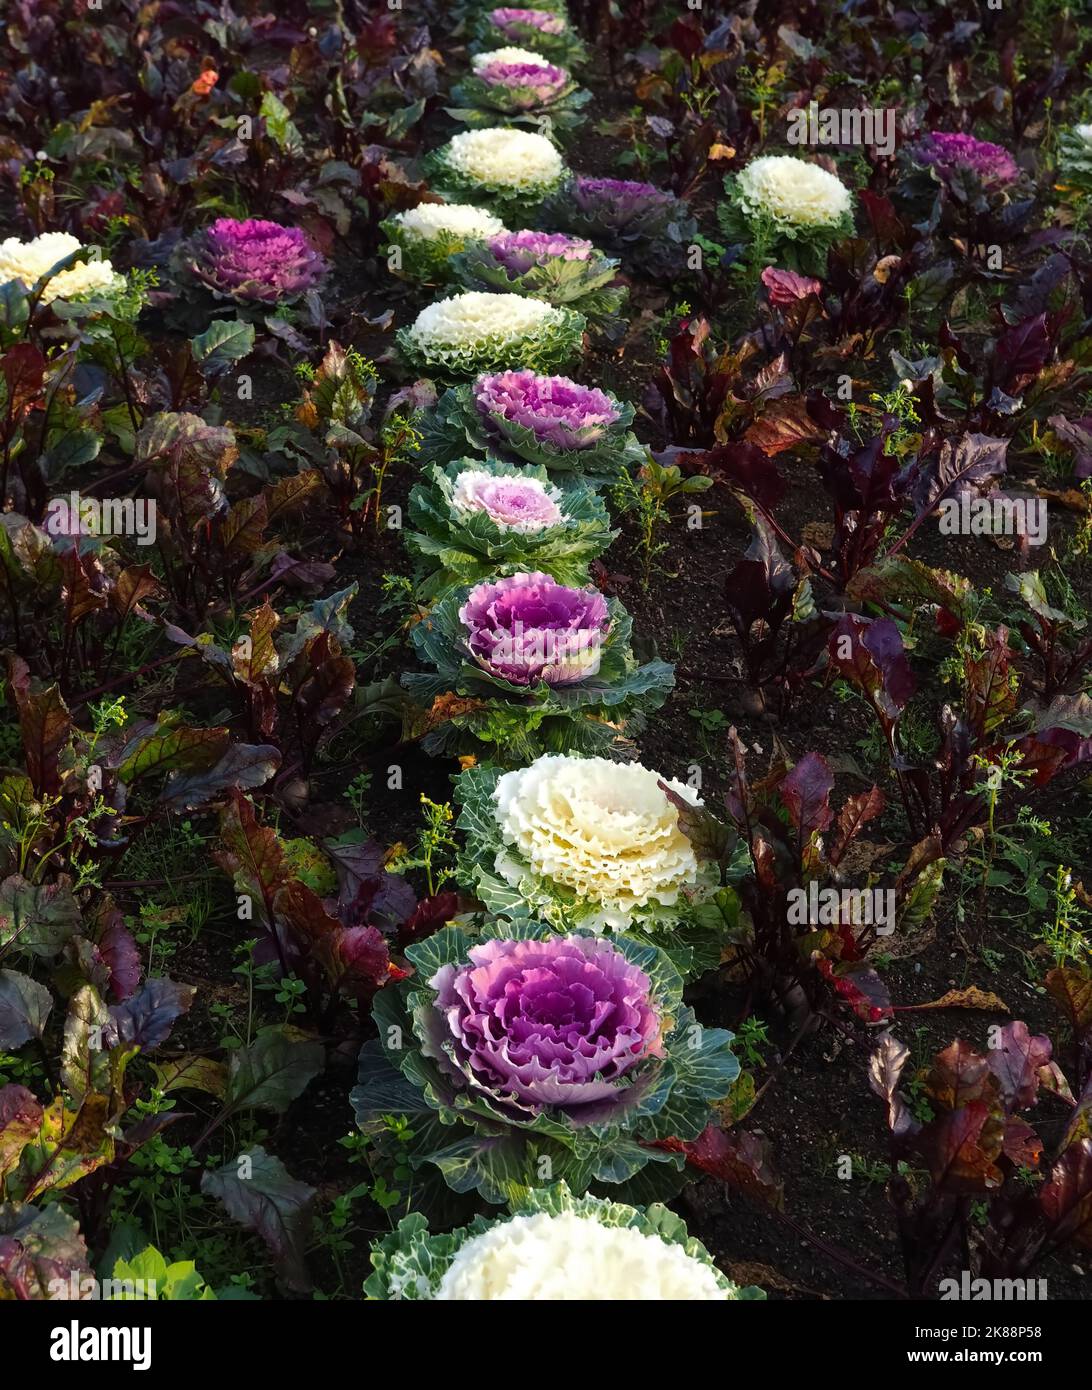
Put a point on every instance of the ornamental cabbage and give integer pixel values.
(967, 189)
(795, 206)
(428, 235)
(554, 1022)
(255, 261)
(537, 418)
(29, 261)
(480, 517)
(793, 193)
(511, 55)
(519, 252)
(530, 1045)
(527, 628)
(544, 31)
(518, 87)
(524, 664)
(581, 841)
(552, 1247)
(947, 152)
(1075, 161)
(644, 225)
(510, 171)
(548, 265)
(521, 504)
(475, 332)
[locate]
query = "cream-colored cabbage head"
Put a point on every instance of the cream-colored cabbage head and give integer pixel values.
(568, 1257)
(603, 829)
(428, 221)
(28, 261)
(476, 317)
(504, 158)
(793, 191)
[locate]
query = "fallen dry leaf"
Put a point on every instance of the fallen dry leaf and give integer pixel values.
(450, 706)
(884, 268)
(785, 424)
(1071, 498)
(970, 998)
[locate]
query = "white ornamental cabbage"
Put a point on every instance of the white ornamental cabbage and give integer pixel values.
(28, 261)
(552, 1246)
(569, 1257)
(793, 192)
(509, 55)
(515, 169)
(603, 830)
(477, 332)
(456, 221)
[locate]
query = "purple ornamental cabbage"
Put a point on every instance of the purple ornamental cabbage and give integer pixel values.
(541, 83)
(556, 1022)
(256, 260)
(529, 628)
(619, 203)
(590, 192)
(519, 252)
(543, 31)
(947, 152)
(557, 410)
(645, 225)
(509, 19)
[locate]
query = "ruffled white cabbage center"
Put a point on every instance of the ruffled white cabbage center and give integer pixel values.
(508, 55)
(601, 828)
(431, 220)
(793, 191)
(28, 261)
(504, 158)
(569, 1257)
(477, 317)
